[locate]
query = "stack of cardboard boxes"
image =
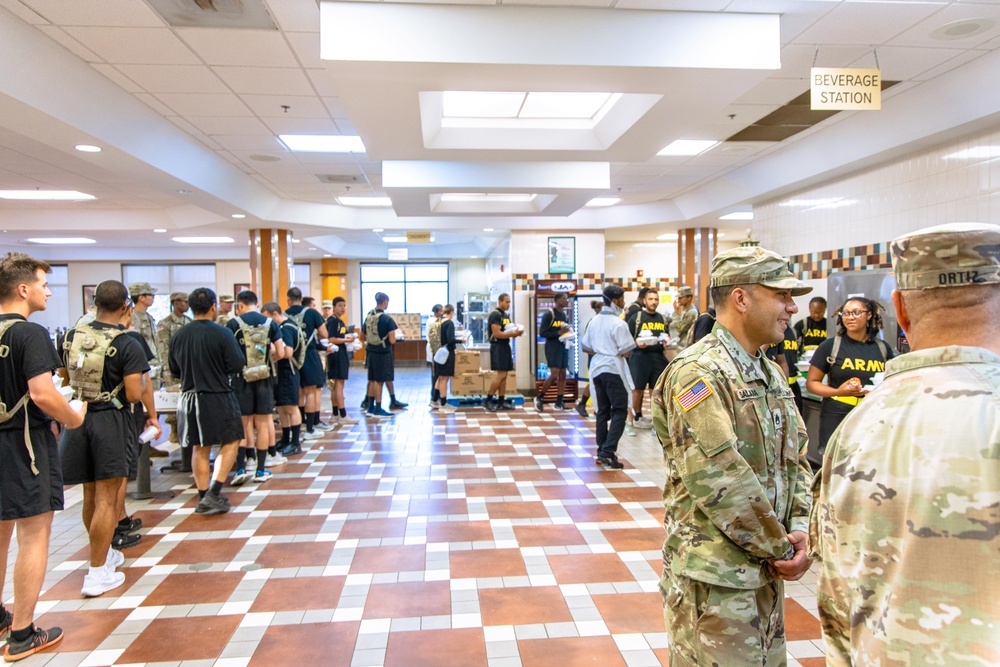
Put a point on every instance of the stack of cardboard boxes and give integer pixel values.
(472, 381)
(409, 325)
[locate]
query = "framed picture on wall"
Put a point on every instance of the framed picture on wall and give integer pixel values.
(562, 254)
(239, 287)
(88, 297)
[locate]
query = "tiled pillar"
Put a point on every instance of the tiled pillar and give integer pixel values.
(271, 260)
(695, 249)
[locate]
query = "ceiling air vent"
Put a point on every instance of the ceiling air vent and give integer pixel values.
(341, 179)
(247, 14)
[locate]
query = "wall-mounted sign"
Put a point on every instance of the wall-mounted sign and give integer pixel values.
(399, 254)
(550, 287)
(562, 254)
(839, 89)
(418, 237)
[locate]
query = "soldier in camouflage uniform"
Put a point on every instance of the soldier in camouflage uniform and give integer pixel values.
(226, 302)
(907, 506)
(165, 330)
(143, 295)
(683, 319)
(736, 492)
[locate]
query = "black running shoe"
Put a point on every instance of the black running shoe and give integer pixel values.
(507, 405)
(129, 524)
(212, 504)
(489, 405)
(398, 405)
(539, 404)
(39, 639)
(581, 409)
(125, 540)
(610, 462)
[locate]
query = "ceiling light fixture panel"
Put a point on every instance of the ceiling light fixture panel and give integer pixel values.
(45, 195)
(738, 215)
(203, 239)
(364, 202)
(322, 143)
(687, 147)
(598, 202)
(62, 240)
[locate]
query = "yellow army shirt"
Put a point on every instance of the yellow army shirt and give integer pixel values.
(906, 517)
(737, 480)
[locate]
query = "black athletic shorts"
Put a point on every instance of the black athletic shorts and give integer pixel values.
(646, 368)
(447, 369)
(22, 493)
(100, 449)
(556, 355)
(337, 366)
(255, 398)
(208, 419)
(380, 367)
(501, 357)
(286, 389)
(312, 371)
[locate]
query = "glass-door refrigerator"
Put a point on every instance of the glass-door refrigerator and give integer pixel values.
(543, 300)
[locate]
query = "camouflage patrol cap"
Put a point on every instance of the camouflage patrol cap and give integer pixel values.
(685, 291)
(954, 255)
(328, 303)
(755, 266)
(138, 289)
(174, 296)
(227, 298)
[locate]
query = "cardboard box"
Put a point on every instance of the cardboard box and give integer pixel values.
(510, 386)
(466, 362)
(469, 384)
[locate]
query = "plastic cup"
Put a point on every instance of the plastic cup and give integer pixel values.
(147, 435)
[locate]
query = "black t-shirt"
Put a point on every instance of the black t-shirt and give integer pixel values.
(203, 355)
(31, 354)
(129, 359)
(790, 348)
(385, 325)
(253, 319)
(290, 336)
(810, 332)
(655, 323)
(336, 328)
(552, 320)
(502, 319)
(448, 335)
(311, 321)
(854, 360)
(703, 325)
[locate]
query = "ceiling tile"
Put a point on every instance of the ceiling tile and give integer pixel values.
(248, 48)
(22, 12)
(118, 78)
(155, 104)
(346, 127)
(149, 46)
(269, 106)
(71, 43)
(675, 5)
(903, 63)
(306, 48)
(336, 107)
(97, 13)
(295, 15)
(865, 23)
(249, 143)
(246, 125)
(798, 59)
(281, 125)
(323, 82)
(310, 159)
(775, 91)
(920, 34)
(949, 65)
(174, 78)
(265, 80)
(204, 104)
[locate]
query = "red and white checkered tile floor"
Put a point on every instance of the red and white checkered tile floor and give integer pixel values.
(431, 539)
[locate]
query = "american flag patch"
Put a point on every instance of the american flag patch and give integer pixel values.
(693, 395)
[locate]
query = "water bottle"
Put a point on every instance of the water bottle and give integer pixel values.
(543, 371)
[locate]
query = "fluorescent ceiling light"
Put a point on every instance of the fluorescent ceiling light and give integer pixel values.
(323, 143)
(977, 153)
(87, 148)
(687, 147)
(370, 202)
(65, 240)
(738, 215)
(394, 239)
(46, 195)
(160, 230)
(487, 229)
(486, 197)
(603, 201)
(296, 240)
(378, 229)
(523, 110)
(202, 239)
(238, 216)
(669, 236)
(650, 245)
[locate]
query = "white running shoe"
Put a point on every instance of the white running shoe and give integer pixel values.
(311, 435)
(105, 580)
(348, 419)
(276, 460)
(115, 558)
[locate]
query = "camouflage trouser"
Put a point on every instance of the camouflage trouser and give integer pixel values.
(714, 626)
(171, 418)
